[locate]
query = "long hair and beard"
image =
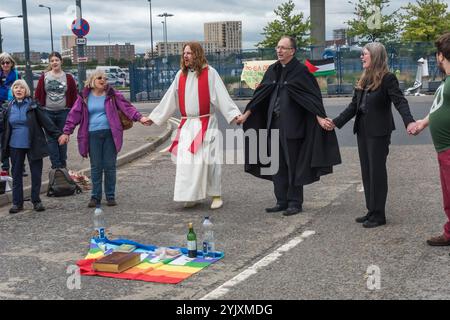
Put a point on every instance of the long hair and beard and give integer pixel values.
(199, 58)
(372, 77)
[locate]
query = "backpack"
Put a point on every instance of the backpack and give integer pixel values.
(61, 184)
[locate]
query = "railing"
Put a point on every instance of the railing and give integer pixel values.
(150, 80)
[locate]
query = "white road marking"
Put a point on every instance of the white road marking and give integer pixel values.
(224, 288)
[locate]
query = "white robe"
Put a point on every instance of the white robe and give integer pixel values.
(197, 175)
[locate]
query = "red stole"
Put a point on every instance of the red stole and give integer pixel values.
(204, 103)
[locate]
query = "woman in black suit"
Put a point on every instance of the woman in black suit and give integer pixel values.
(375, 91)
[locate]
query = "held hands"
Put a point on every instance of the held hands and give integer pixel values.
(326, 123)
(414, 128)
(240, 119)
(145, 121)
(63, 139)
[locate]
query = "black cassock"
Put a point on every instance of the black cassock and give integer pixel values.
(300, 100)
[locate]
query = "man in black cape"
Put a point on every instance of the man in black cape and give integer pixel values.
(289, 99)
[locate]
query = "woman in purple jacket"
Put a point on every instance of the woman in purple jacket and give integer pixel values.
(100, 134)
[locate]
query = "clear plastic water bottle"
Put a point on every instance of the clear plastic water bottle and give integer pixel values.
(208, 238)
(99, 225)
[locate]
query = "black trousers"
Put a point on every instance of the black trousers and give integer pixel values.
(373, 152)
(18, 160)
(286, 192)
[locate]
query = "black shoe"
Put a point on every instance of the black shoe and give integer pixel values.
(92, 203)
(277, 208)
(363, 218)
(38, 206)
(292, 210)
(373, 224)
(15, 209)
(111, 202)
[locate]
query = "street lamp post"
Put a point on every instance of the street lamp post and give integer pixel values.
(151, 49)
(81, 65)
(165, 15)
(151, 28)
(164, 39)
(51, 26)
(28, 72)
(1, 37)
(109, 48)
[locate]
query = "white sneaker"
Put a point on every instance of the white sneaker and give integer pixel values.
(216, 203)
(190, 204)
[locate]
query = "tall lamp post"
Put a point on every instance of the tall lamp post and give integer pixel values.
(51, 26)
(164, 39)
(1, 37)
(151, 48)
(151, 28)
(26, 40)
(165, 15)
(81, 65)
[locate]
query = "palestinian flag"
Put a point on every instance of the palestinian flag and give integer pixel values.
(321, 68)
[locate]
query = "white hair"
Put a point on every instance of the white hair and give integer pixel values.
(21, 83)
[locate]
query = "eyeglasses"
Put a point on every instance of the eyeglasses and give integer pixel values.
(6, 62)
(283, 48)
(101, 78)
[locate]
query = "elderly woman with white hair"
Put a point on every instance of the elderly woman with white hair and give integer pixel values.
(24, 123)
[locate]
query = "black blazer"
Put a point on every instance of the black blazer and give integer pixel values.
(37, 120)
(378, 120)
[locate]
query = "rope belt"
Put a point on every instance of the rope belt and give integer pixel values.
(197, 117)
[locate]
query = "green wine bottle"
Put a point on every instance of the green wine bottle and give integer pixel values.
(191, 242)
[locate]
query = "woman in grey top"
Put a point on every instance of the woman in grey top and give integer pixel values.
(56, 92)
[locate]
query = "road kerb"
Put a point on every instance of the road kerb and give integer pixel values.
(6, 198)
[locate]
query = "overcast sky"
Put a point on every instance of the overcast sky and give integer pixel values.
(129, 20)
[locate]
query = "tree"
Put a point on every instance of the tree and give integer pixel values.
(289, 24)
(425, 21)
(371, 24)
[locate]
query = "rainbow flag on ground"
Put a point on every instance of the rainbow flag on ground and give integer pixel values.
(152, 268)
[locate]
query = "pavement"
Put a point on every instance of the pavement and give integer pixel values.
(138, 141)
(38, 250)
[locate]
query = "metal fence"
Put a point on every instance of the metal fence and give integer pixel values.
(149, 80)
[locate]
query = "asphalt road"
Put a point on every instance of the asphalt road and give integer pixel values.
(318, 254)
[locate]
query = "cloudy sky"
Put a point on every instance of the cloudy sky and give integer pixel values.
(129, 20)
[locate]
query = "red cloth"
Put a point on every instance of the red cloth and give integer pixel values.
(71, 94)
(444, 168)
(204, 103)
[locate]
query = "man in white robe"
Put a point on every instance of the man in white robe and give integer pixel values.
(198, 92)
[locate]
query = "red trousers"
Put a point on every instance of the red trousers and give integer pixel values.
(444, 168)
